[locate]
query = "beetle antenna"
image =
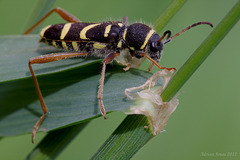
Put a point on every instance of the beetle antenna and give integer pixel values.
(164, 34)
(189, 27)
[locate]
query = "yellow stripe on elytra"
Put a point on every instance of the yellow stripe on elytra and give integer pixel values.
(44, 30)
(64, 44)
(107, 30)
(84, 30)
(99, 45)
(65, 30)
(75, 47)
(54, 44)
(150, 33)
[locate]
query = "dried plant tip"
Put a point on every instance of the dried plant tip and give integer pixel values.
(148, 101)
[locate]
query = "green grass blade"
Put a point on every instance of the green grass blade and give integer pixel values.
(167, 15)
(202, 52)
(55, 142)
(41, 9)
(126, 140)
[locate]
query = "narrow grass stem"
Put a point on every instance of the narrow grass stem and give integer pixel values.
(202, 52)
(167, 15)
(41, 9)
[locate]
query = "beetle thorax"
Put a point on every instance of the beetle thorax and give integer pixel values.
(137, 35)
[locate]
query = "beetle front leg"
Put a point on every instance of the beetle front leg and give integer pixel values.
(109, 58)
(155, 63)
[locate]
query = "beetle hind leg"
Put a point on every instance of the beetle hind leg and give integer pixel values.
(64, 14)
(45, 59)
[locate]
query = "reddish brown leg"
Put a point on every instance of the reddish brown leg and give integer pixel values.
(150, 67)
(107, 60)
(156, 64)
(64, 14)
(125, 20)
(45, 59)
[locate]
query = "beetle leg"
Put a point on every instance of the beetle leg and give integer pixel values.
(150, 67)
(64, 14)
(107, 60)
(125, 20)
(155, 63)
(45, 59)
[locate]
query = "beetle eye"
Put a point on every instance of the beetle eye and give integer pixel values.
(154, 47)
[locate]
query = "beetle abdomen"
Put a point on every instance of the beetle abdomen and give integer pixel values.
(106, 32)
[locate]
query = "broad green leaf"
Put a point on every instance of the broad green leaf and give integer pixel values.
(69, 87)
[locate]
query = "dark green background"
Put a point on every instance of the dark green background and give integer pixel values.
(205, 124)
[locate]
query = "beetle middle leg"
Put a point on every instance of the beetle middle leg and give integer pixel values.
(109, 58)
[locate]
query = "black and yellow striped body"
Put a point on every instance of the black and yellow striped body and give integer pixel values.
(105, 32)
(84, 37)
(101, 39)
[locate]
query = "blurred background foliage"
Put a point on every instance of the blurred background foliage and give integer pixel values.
(206, 123)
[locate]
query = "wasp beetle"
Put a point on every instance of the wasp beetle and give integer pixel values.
(108, 40)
